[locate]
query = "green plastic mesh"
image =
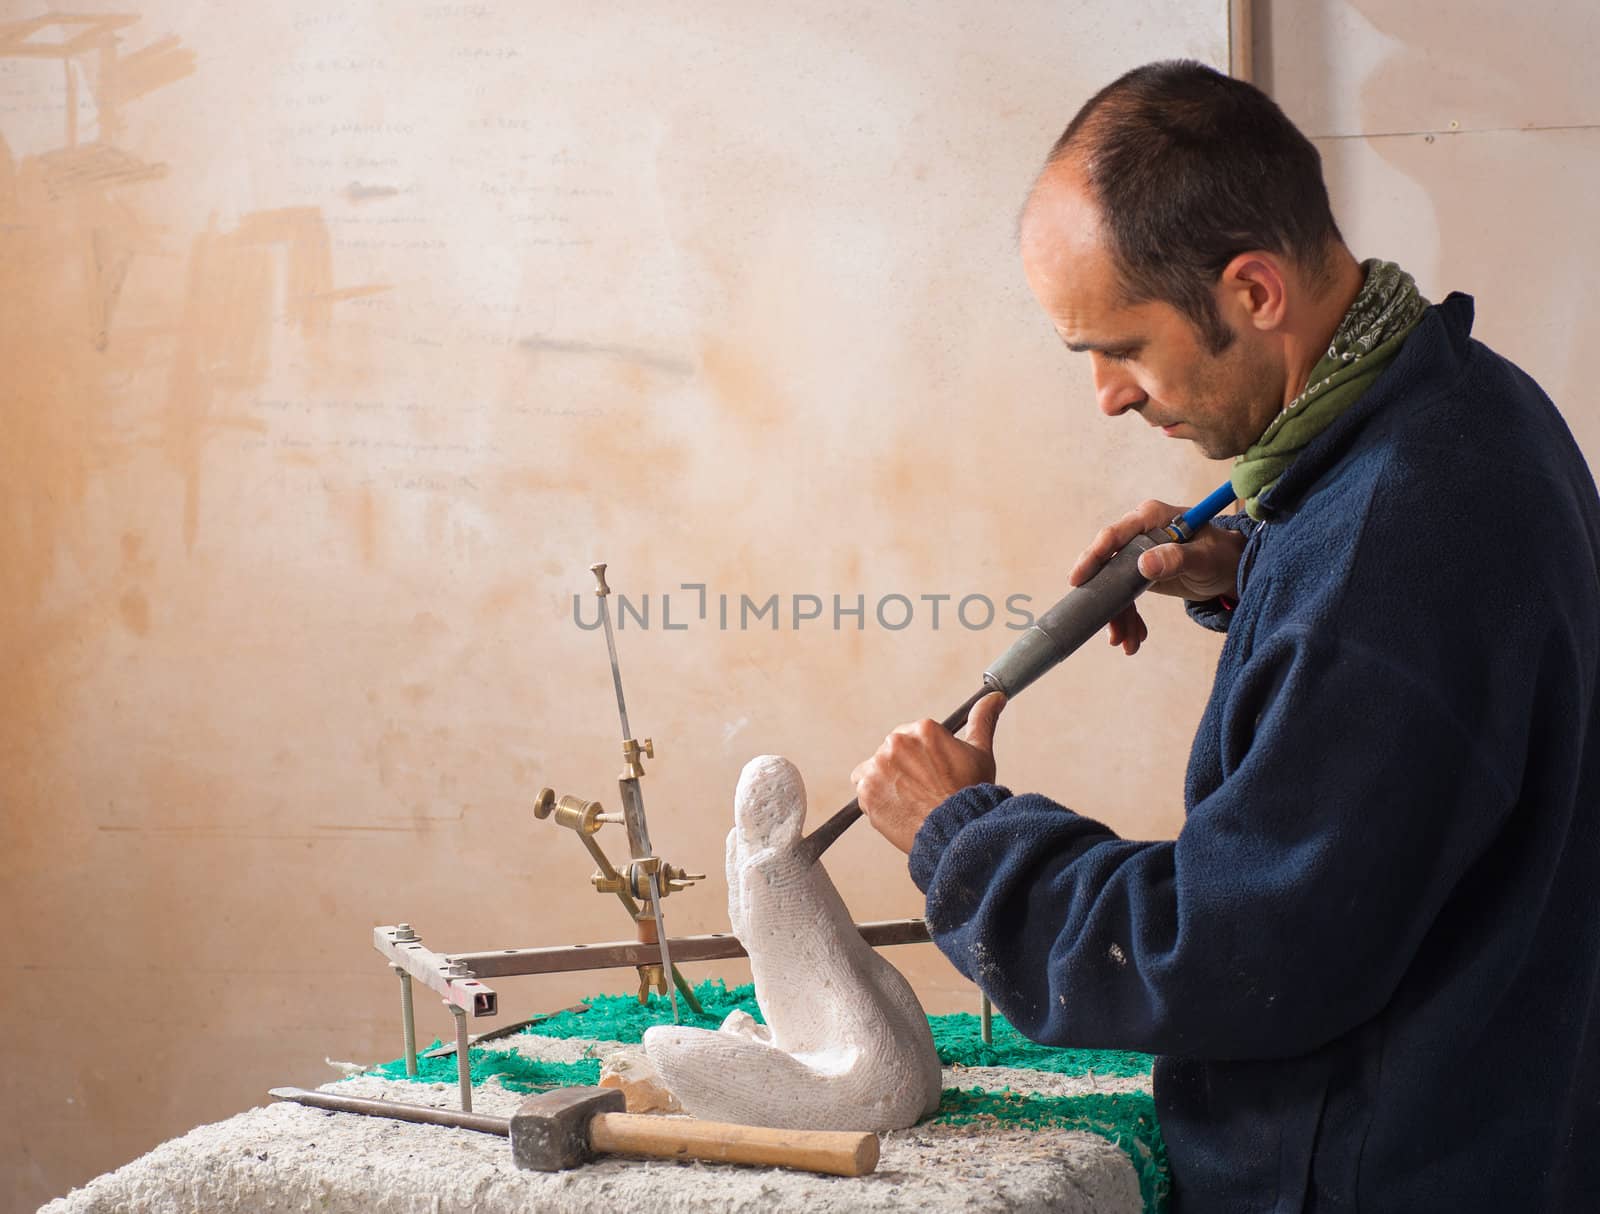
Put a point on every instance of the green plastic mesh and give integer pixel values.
(624, 1018)
(512, 1069)
(959, 1039)
(1127, 1119)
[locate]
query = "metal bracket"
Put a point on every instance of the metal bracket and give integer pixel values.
(717, 946)
(452, 977)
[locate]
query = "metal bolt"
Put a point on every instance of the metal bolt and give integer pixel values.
(463, 1063)
(408, 1021)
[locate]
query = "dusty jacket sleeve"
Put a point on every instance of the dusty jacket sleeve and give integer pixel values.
(1285, 912)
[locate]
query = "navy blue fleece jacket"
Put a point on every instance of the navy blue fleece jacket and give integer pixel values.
(1370, 962)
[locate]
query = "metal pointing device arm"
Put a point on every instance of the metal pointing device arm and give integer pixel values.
(1060, 631)
(633, 797)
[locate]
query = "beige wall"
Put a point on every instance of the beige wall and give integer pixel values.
(1462, 140)
(346, 338)
(339, 341)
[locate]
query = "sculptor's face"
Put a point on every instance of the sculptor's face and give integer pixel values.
(1146, 358)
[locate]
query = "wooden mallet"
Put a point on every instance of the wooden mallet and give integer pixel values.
(565, 1127)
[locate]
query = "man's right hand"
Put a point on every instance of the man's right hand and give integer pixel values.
(1204, 568)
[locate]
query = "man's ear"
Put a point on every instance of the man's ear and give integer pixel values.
(1253, 291)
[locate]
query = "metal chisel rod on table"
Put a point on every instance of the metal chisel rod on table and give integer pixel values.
(1060, 631)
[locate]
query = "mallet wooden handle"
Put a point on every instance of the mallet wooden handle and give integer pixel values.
(837, 1153)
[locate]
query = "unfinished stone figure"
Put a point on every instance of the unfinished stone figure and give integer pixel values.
(846, 1045)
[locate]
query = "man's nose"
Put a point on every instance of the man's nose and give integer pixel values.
(1115, 390)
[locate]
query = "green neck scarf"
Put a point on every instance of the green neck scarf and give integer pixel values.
(1367, 340)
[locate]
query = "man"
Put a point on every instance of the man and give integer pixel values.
(1370, 961)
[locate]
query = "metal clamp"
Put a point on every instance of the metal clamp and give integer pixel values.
(585, 817)
(632, 769)
(1179, 530)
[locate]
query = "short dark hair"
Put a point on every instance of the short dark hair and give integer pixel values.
(1190, 168)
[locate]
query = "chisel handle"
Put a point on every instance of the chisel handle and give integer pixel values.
(833, 1152)
(1075, 617)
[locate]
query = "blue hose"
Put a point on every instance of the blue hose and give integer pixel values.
(1202, 514)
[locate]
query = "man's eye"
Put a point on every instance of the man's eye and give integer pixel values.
(1120, 356)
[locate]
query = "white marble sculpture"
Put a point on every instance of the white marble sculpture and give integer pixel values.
(846, 1044)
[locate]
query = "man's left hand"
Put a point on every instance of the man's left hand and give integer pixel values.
(919, 765)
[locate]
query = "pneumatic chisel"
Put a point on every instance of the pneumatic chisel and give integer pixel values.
(1077, 616)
